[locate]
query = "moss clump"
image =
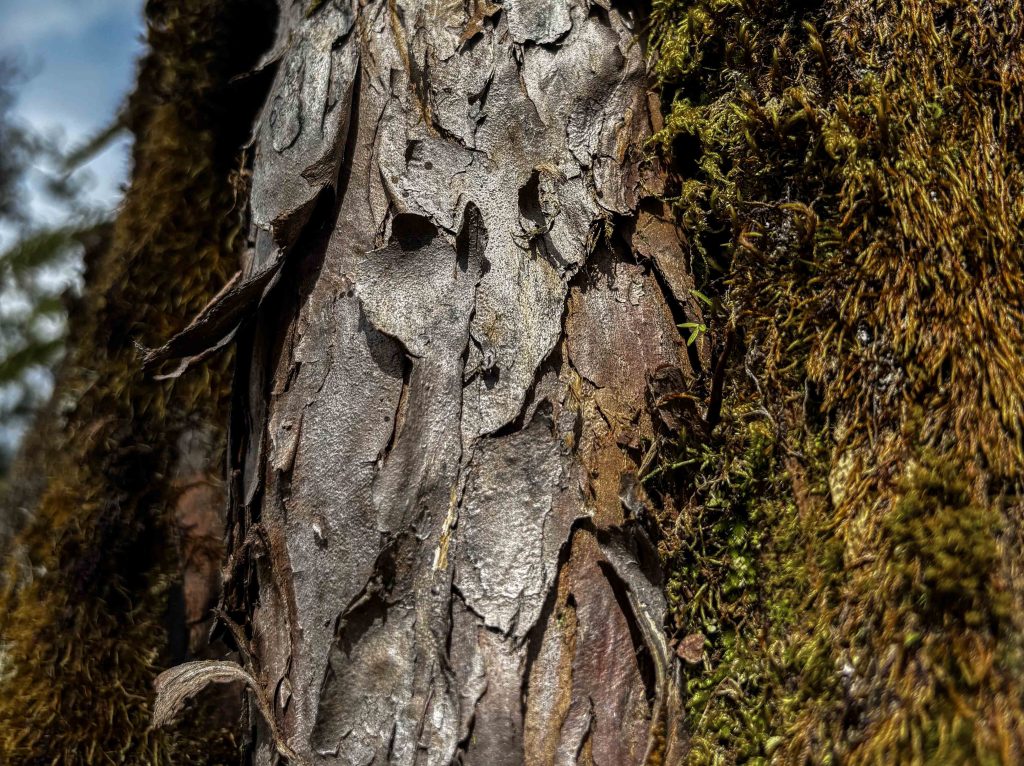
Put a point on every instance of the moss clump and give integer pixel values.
(84, 605)
(945, 550)
(851, 181)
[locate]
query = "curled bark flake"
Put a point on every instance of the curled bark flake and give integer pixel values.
(299, 147)
(176, 686)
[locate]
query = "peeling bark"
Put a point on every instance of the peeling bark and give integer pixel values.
(442, 398)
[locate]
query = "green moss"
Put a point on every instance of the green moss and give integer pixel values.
(945, 549)
(851, 181)
(740, 578)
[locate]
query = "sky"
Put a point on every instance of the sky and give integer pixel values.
(78, 58)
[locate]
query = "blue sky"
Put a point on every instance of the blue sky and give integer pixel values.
(79, 57)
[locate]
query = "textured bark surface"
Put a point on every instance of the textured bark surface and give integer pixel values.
(444, 394)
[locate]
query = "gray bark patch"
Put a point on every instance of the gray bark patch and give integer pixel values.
(438, 390)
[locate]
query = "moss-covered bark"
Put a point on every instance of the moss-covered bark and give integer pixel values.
(88, 601)
(849, 536)
(842, 518)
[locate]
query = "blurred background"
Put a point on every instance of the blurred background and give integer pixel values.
(66, 67)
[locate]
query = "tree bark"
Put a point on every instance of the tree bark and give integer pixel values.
(458, 369)
(437, 533)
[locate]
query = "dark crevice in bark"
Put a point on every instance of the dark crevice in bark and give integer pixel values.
(641, 652)
(399, 416)
(529, 202)
(535, 637)
(412, 232)
(681, 317)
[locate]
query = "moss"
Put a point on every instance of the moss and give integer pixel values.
(850, 179)
(739, 578)
(871, 199)
(84, 609)
(945, 553)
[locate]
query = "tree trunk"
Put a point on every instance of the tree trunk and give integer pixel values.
(437, 532)
(465, 431)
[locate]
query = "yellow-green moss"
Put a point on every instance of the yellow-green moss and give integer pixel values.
(945, 554)
(83, 611)
(851, 180)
